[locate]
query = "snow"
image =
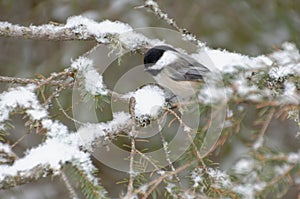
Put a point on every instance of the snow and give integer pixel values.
(82, 64)
(187, 129)
(293, 158)
(290, 94)
(55, 128)
(23, 97)
(243, 89)
(221, 179)
(85, 27)
(5, 148)
(278, 65)
(229, 113)
(90, 132)
(61, 146)
(93, 81)
(149, 101)
(258, 143)
(151, 3)
(169, 187)
(243, 166)
(53, 152)
(229, 62)
(288, 54)
(197, 178)
(286, 61)
(133, 40)
(248, 190)
(281, 170)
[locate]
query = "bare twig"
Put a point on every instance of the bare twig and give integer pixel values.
(154, 183)
(153, 6)
(66, 114)
(24, 81)
(279, 177)
(260, 138)
(133, 150)
(199, 157)
(167, 154)
(20, 139)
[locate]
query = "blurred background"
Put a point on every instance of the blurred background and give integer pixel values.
(250, 27)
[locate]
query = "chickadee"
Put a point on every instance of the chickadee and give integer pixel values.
(175, 71)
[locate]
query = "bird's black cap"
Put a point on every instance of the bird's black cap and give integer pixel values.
(154, 54)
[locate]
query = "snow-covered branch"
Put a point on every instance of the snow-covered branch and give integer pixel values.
(270, 80)
(77, 28)
(80, 28)
(60, 147)
(25, 176)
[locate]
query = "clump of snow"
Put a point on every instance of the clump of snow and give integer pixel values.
(227, 62)
(93, 81)
(288, 54)
(90, 132)
(85, 27)
(196, 177)
(281, 170)
(258, 143)
(149, 100)
(169, 187)
(55, 128)
(5, 148)
(187, 129)
(82, 64)
(7, 156)
(247, 91)
(134, 40)
(243, 166)
(290, 94)
(220, 178)
(23, 97)
(293, 158)
(287, 61)
(53, 152)
(151, 3)
(248, 191)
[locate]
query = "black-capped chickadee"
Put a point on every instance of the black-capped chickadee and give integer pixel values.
(175, 71)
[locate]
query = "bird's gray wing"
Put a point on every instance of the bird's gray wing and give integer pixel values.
(186, 69)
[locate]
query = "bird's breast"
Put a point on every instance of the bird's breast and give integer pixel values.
(179, 88)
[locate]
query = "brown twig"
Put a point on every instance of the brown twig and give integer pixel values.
(199, 157)
(132, 134)
(264, 128)
(154, 183)
(153, 6)
(24, 81)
